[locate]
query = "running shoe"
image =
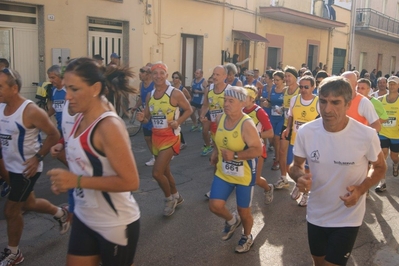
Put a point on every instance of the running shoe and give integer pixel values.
(281, 183)
(9, 259)
(5, 190)
(395, 170)
(275, 166)
(170, 206)
(382, 186)
(206, 151)
(193, 128)
(183, 146)
(270, 148)
(180, 200)
(228, 230)
(295, 193)
(63, 221)
(150, 162)
(208, 194)
(269, 194)
(245, 244)
(304, 200)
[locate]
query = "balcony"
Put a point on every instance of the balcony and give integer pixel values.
(299, 18)
(372, 23)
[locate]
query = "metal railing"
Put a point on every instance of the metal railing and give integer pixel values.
(370, 18)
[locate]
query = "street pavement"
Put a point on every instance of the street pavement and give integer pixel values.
(192, 236)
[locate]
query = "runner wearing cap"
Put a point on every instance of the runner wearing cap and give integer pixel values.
(237, 147)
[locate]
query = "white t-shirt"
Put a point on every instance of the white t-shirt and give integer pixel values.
(367, 110)
(336, 160)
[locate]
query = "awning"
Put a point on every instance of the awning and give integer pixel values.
(250, 36)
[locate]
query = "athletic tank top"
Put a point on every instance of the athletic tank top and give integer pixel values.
(286, 103)
(389, 128)
(58, 100)
(242, 172)
(254, 82)
(67, 123)
(18, 142)
(353, 110)
(96, 208)
(197, 86)
(253, 114)
(144, 91)
(302, 114)
(162, 112)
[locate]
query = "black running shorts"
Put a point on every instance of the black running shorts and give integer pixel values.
(21, 187)
(335, 243)
(86, 242)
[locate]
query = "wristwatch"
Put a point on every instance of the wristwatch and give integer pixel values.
(39, 157)
(235, 155)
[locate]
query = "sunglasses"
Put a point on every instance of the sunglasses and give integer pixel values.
(304, 87)
(175, 77)
(8, 71)
(144, 71)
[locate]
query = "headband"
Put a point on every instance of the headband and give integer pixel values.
(251, 93)
(235, 94)
(292, 71)
(159, 65)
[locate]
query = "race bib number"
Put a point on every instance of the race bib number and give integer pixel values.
(297, 125)
(58, 105)
(5, 141)
(277, 111)
(391, 122)
(159, 121)
(195, 95)
(85, 198)
(233, 168)
(214, 114)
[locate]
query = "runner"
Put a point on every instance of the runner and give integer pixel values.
(304, 108)
(338, 181)
(21, 122)
(198, 88)
(102, 168)
(291, 89)
(389, 134)
(265, 130)
(237, 148)
(163, 108)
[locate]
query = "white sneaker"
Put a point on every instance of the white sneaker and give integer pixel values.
(150, 162)
(295, 193)
(281, 183)
(304, 200)
(269, 194)
(244, 244)
(170, 206)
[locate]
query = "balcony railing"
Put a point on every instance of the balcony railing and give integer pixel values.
(370, 19)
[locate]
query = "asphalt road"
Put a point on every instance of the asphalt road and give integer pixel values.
(192, 236)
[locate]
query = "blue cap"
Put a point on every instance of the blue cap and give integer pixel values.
(115, 55)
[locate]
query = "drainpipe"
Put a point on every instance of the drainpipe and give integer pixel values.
(255, 43)
(352, 35)
(330, 35)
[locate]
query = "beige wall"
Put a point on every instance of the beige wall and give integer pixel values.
(372, 47)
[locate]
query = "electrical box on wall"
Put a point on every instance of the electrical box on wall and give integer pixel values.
(60, 56)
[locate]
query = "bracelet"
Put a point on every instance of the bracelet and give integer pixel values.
(79, 177)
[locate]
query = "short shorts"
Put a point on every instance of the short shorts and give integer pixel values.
(289, 135)
(147, 132)
(84, 241)
(196, 105)
(392, 144)
(160, 143)
(335, 243)
(221, 190)
(21, 187)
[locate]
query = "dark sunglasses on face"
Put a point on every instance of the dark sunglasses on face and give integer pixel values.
(175, 77)
(143, 71)
(8, 71)
(305, 87)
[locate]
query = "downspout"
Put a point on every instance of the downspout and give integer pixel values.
(255, 43)
(352, 35)
(159, 39)
(330, 32)
(222, 36)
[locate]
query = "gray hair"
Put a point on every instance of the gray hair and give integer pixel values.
(336, 86)
(56, 69)
(231, 68)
